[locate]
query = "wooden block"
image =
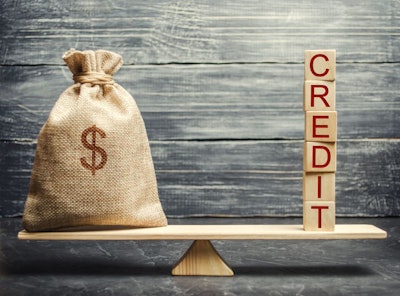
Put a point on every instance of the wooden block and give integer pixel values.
(319, 157)
(319, 215)
(318, 186)
(320, 65)
(319, 95)
(320, 126)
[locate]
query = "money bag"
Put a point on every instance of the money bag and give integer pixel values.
(93, 165)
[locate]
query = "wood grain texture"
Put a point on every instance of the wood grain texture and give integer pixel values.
(220, 88)
(152, 32)
(215, 101)
(241, 178)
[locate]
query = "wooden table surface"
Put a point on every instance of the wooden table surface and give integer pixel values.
(272, 267)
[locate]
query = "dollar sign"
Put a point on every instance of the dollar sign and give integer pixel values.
(93, 130)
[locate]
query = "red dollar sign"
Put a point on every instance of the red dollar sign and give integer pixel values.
(93, 130)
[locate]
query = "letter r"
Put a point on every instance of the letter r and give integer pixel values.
(321, 95)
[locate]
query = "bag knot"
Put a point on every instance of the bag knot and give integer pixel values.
(96, 78)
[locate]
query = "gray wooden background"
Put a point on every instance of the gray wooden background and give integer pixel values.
(219, 84)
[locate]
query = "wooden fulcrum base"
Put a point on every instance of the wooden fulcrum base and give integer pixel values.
(202, 258)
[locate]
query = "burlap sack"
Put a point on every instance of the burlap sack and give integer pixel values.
(93, 164)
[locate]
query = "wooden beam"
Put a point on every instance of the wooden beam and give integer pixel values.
(213, 232)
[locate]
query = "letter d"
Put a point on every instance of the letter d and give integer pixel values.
(317, 162)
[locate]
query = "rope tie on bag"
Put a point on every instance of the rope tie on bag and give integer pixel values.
(93, 78)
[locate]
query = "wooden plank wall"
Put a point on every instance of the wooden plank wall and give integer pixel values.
(219, 84)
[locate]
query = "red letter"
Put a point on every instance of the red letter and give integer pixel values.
(312, 65)
(321, 96)
(314, 157)
(315, 126)
(319, 187)
(319, 208)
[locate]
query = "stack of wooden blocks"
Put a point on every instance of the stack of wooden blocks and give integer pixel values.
(320, 135)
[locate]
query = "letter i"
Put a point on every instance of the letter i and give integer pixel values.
(319, 187)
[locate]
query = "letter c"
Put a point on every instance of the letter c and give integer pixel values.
(312, 65)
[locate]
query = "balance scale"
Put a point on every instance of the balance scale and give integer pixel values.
(318, 192)
(202, 258)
